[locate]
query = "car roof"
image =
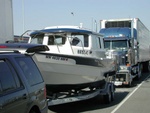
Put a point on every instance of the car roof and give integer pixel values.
(10, 53)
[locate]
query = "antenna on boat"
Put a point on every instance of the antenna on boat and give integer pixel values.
(81, 25)
(96, 25)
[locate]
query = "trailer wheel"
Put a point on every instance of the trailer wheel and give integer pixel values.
(112, 94)
(108, 97)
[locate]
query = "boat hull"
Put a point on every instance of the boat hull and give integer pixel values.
(62, 72)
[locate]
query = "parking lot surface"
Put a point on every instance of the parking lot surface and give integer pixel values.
(134, 99)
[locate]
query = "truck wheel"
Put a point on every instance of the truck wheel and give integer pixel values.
(139, 72)
(130, 84)
(146, 67)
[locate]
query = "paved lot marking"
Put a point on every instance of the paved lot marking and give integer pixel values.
(129, 95)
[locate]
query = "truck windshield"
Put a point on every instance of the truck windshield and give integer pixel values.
(115, 44)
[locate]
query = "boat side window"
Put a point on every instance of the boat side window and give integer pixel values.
(50, 40)
(60, 40)
(80, 40)
(86, 41)
(37, 39)
(56, 40)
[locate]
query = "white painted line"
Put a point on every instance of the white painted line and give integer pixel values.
(129, 96)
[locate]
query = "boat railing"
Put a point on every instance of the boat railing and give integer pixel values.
(71, 47)
(58, 48)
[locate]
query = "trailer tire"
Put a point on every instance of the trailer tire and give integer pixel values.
(98, 99)
(108, 97)
(113, 94)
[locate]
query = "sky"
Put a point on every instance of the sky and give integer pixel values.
(38, 14)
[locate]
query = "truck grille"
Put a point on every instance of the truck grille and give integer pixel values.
(120, 77)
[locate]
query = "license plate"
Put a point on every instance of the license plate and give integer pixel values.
(117, 83)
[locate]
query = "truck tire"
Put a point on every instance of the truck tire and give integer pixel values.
(129, 84)
(146, 67)
(139, 74)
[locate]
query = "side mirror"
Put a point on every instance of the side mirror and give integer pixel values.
(136, 43)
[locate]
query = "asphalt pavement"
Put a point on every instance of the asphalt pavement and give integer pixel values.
(138, 101)
(134, 99)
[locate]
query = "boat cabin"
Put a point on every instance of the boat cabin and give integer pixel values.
(71, 40)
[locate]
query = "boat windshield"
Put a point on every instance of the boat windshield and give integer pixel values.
(37, 39)
(53, 39)
(56, 39)
(116, 44)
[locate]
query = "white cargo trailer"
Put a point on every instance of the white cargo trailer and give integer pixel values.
(128, 40)
(6, 21)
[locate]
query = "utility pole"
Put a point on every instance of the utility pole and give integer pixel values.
(23, 23)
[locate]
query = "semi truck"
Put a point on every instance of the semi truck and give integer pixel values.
(127, 41)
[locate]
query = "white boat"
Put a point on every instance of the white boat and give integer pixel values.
(76, 58)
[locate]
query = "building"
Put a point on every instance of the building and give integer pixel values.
(21, 39)
(6, 21)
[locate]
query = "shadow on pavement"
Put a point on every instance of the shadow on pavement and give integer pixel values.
(87, 105)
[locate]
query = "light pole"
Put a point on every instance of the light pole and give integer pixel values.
(96, 25)
(23, 23)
